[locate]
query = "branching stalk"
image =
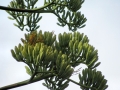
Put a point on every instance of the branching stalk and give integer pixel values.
(26, 82)
(40, 9)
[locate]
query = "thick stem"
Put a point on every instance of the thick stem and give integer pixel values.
(26, 82)
(73, 81)
(26, 10)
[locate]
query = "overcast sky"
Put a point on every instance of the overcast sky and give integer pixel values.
(102, 29)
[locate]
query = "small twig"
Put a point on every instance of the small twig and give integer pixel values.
(77, 71)
(93, 88)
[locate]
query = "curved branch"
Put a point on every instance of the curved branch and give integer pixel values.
(26, 10)
(22, 83)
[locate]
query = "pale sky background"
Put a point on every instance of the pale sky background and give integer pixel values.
(102, 29)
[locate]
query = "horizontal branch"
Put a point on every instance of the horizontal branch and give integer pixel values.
(26, 10)
(26, 82)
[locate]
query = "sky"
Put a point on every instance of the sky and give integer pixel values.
(102, 29)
